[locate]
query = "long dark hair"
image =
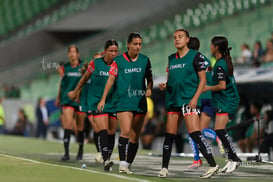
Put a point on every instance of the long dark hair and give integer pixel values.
(109, 43)
(223, 48)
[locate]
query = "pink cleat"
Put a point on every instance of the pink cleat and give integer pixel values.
(195, 164)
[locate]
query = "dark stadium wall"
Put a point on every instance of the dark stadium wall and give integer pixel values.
(44, 44)
(27, 48)
(261, 91)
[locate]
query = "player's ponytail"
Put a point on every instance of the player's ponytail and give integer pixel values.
(194, 43)
(222, 44)
(228, 59)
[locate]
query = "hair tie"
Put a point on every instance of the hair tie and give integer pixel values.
(227, 51)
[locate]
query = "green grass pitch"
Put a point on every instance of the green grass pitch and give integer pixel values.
(35, 160)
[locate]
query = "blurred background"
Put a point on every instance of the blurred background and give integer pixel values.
(35, 34)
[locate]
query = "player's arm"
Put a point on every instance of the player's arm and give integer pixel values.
(60, 69)
(201, 85)
(199, 65)
(149, 78)
(61, 72)
(113, 73)
(86, 76)
(163, 85)
(58, 99)
(82, 81)
(221, 77)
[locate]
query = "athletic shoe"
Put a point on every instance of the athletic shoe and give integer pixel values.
(108, 165)
(99, 158)
(195, 164)
(210, 172)
(230, 166)
(163, 173)
(65, 158)
(124, 168)
(233, 166)
(224, 169)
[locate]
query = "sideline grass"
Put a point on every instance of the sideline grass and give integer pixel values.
(14, 169)
(50, 168)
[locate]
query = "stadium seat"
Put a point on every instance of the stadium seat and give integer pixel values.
(25, 93)
(177, 23)
(239, 22)
(16, 13)
(187, 21)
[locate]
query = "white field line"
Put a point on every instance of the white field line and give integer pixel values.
(75, 168)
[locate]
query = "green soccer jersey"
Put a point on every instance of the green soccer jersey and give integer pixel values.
(71, 77)
(131, 87)
(83, 97)
(99, 77)
(183, 78)
(207, 95)
(226, 100)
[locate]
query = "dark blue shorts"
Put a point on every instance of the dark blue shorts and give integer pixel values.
(207, 108)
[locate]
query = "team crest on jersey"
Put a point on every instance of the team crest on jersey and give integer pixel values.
(90, 68)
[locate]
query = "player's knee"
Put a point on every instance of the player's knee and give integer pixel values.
(125, 133)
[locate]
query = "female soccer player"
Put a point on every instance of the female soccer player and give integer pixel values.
(225, 97)
(186, 81)
(130, 70)
(207, 111)
(98, 157)
(70, 79)
(105, 121)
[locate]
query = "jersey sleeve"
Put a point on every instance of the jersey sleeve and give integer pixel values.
(114, 69)
(167, 70)
(199, 62)
(148, 72)
(63, 69)
(91, 67)
(221, 75)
